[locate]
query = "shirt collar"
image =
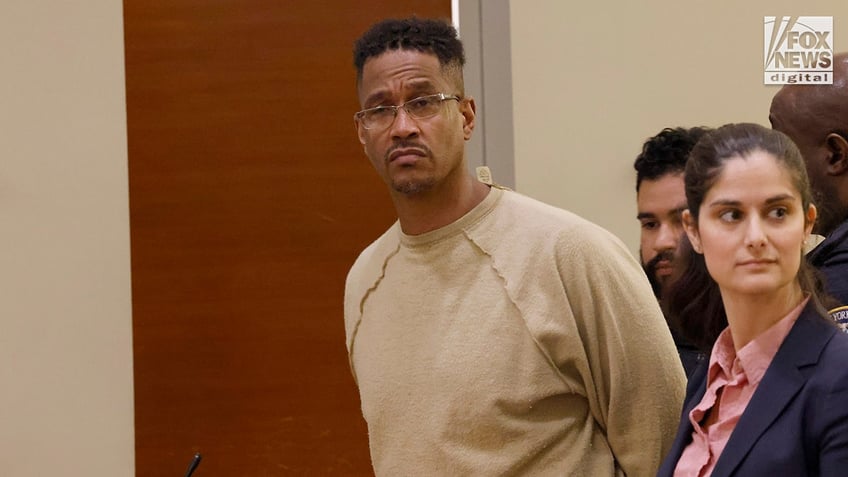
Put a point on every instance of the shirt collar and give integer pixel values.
(754, 358)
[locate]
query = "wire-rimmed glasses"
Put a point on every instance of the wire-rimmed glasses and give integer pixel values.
(422, 107)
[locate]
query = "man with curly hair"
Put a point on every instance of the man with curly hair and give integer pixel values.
(660, 199)
(488, 333)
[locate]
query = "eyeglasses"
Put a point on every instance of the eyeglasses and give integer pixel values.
(382, 117)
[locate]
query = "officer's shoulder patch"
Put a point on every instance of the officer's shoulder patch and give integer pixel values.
(840, 316)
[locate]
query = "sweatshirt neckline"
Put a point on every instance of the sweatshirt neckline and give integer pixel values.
(472, 216)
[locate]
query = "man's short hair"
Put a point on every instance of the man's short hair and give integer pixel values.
(425, 35)
(666, 153)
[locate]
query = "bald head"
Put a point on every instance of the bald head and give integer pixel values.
(816, 118)
(811, 110)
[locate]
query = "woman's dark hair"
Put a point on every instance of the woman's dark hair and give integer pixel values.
(694, 301)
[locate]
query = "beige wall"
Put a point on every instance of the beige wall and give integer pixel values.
(65, 317)
(592, 80)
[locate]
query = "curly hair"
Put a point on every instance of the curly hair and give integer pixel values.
(420, 34)
(666, 153)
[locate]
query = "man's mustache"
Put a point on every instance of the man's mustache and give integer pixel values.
(667, 255)
(406, 144)
(651, 270)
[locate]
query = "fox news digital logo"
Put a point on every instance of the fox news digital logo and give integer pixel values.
(798, 50)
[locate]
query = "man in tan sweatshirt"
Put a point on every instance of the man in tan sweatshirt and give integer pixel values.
(491, 334)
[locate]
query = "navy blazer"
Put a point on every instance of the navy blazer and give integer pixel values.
(797, 420)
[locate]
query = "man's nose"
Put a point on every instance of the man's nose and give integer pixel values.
(668, 237)
(404, 125)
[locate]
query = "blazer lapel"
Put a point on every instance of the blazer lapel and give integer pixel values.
(785, 376)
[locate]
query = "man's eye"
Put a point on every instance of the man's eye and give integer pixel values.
(380, 112)
(419, 103)
(649, 225)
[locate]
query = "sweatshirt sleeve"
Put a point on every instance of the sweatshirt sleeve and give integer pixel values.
(635, 383)
(363, 276)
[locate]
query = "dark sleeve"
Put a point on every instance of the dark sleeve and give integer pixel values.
(833, 442)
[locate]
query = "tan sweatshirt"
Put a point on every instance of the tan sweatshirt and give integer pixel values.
(519, 340)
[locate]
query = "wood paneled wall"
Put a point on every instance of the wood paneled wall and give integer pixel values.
(250, 197)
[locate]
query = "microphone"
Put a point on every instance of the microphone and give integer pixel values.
(194, 463)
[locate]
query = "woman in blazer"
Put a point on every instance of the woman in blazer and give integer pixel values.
(773, 398)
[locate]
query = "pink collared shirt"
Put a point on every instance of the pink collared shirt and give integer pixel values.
(732, 379)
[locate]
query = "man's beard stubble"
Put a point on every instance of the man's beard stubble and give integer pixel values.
(828, 217)
(651, 271)
(411, 187)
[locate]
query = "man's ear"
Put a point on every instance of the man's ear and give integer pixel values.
(360, 131)
(837, 149)
(691, 229)
(468, 108)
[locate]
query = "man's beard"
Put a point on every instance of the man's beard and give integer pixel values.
(411, 187)
(829, 217)
(651, 271)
